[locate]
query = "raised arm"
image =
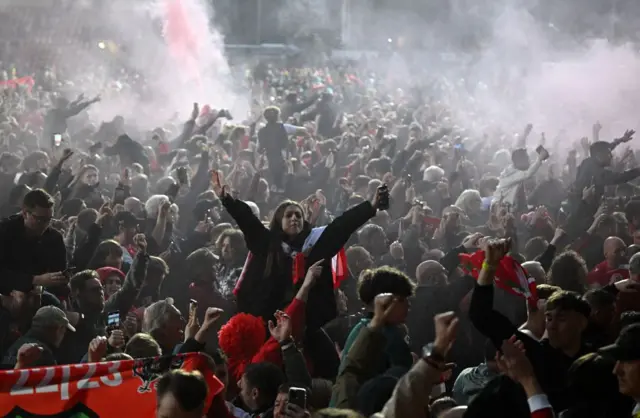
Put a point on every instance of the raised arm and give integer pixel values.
(337, 233)
(256, 235)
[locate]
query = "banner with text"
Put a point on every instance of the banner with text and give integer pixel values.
(87, 390)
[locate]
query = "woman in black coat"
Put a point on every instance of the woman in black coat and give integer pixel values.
(267, 283)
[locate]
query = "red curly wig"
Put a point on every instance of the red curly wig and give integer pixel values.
(241, 338)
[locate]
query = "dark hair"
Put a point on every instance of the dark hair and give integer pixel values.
(236, 237)
(72, 207)
(368, 232)
(593, 389)
(188, 388)
(632, 209)
(599, 298)
(275, 227)
(78, 280)
(629, 318)
(361, 181)
(104, 249)
(219, 357)
(569, 272)
(157, 266)
(142, 345)
(490, 351)
(284, 388)
(38, 198)
(546, 290)
(200, 260)
(534, 247)
(441, 405)
(519, 153)
(267, 378)
(599, 147)
(383, 280)
(86, 218)
(118, 357)
(565, 300)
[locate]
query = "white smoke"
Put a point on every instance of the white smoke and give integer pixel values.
(126, 38)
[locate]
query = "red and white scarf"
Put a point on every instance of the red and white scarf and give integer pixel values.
(338, 261)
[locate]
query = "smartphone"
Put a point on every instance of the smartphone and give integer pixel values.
(384, 198)
(193, 307)
(57, 140)
(181, 172)
(113, 320)
(174, 248)
(119, 196)
(298, 396)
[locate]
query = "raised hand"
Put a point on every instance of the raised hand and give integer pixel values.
(446, 327)
(513, 361)
(97, 349)
(282, 329)
(116, 339)
(313, 273)
(496, 250)
(140, 240)
(628, 135)
(28, 355)
(50, 279)
(384, 306)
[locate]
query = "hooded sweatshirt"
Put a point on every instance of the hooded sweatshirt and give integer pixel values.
(511, 178)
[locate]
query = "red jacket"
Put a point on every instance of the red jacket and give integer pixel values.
(602, 275)
(271, 351)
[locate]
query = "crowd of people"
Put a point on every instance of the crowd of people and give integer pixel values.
(316, 253)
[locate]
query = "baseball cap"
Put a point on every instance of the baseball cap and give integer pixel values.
(48, 316)
(127, 219)
(626, 346)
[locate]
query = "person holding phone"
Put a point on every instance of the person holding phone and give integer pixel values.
(269, 280)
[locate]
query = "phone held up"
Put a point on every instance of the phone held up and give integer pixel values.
(113, 321)
(57, 140)
(298, 397)
(383, 198)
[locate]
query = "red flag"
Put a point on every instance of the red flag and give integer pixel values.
(510, 275)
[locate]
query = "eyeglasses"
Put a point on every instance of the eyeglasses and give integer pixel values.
(41, 219)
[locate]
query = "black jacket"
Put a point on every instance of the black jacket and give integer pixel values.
(22, 257)
(550, 365)
(47, 358)
(75, 344)
(262, 296)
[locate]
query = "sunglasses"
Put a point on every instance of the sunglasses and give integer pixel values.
(41, 219)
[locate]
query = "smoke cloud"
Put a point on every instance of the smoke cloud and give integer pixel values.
(125, 57)
(499, 65)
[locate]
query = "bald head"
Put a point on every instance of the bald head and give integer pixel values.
(457, 412)
(431, 273)
(535, 270)
(615, 252)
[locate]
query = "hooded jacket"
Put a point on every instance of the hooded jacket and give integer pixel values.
(512, 178)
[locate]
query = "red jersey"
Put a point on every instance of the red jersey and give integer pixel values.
(603, 275)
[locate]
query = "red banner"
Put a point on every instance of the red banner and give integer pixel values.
(86, 390)
(22, 81)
